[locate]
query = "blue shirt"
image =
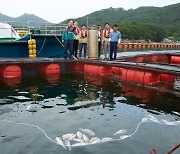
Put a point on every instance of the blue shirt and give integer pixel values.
(115, 36)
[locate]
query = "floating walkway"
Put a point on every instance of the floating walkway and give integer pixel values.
(140, 67)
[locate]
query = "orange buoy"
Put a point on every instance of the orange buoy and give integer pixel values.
(142, 77)
(49, 69)
(135, 46)
(120, 47)
(11, 71)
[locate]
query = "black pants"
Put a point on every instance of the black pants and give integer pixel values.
(113, 49)
(99, 48)
(68, 48)
(75, 48)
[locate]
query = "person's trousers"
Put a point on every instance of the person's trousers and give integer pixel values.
(81, 45)
(76, 45)
(113, 50)
(68, 48)
(106, 49)
(99, 48)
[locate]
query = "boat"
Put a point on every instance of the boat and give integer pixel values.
(47, 43)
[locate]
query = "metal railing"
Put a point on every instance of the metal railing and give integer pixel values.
(40, 27)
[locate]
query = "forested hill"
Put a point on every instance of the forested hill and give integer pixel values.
(162, 20)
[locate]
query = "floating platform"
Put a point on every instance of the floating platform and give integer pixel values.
(162, 62)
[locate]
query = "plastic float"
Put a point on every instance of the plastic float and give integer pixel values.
(48, 69)
(141, 77)
(97, 70)
(167, 78)
(11, 71)
(32, 48)
(175, 59)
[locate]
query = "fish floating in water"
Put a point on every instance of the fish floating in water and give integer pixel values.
(88, 132)
(60, 142)
(79, 135)
(95, 140)
(85, 138)
(106, 139)
(124, 137)
(122, 131)
(78, 140)
(68, 137)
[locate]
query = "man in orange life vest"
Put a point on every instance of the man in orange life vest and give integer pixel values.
(68, 40)
(83, 40)
(99, 33)
(76, 38)
(106, 34)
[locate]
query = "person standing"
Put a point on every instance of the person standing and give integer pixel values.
(115, 39)
(99, 33)
(106, 43)
(76, 38)
(68, 40)
(83, 40)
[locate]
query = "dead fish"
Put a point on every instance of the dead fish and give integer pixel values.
(122, 131)
(95, 140)
(68, 137)
(79, 135)
(68, 144)
(106, 139)
(79, 144)
(85, 138)
(78, 140)
(124, 137)
(60, 142)
(88, 132)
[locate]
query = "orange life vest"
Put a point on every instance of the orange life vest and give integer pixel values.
(76, 31)
(71, 29)
(84, 33)
(106, 33)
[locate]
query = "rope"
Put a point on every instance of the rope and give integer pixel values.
(34, 127)
(42, 46)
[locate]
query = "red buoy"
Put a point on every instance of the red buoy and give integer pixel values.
(11, 71)
(97, 70)
(49, 69)
(167, 78)
(175, 59)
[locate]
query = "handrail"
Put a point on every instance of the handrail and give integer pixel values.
(43, 27)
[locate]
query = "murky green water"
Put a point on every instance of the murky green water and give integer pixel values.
(65, 104)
